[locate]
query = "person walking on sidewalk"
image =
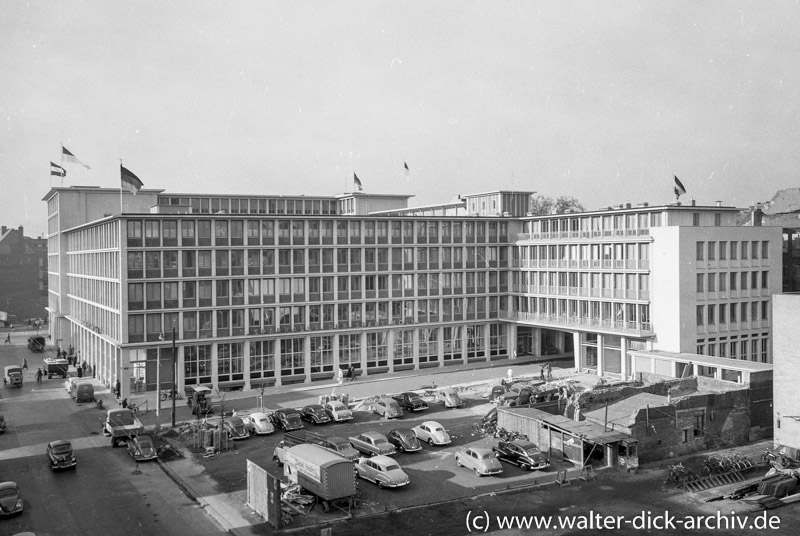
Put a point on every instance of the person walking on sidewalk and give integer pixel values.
(39, 375)
(8, 337)
(25, 363)
(549, 372)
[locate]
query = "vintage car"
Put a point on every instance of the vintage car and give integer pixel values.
(432, 432)
(257, 423)
(337, 411)
(517, 395)
(36, 343)
(495, 393)
(286, 419)
(314, 413)
(522, 453)
(483, 461)
(10, 501)
(372, 444)
(383, 471)
(235, 428)
(60, 455)
(404, 440)
(411, 401)
(387, 407)
(449, 397)
(141, 448)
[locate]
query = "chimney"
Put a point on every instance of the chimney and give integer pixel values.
(719, 203)
(4, 229)
(20, 231)
(756, 215)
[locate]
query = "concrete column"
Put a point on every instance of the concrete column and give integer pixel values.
(440, 345)
(362, 358)
(214, 366)
(245, 364)
(487, 346)
(415, 346)
(390, 349)
(276, 359)
(464, 339)
(600, 356)
(576, 343)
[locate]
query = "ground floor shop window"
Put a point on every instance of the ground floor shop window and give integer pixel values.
(404, 347)
(292, 356)
(497, 339)
(476, 340)
(377, 349)
(451, 337)
(350, 349)
(428, 345)
(262, 359)
(321, 353)
(230, 362)
(197, 364)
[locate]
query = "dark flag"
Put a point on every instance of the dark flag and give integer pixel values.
(679, 188)
(130, 181)
(357, 182)
(57, 171)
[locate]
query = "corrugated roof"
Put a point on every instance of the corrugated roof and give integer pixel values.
(589, 431)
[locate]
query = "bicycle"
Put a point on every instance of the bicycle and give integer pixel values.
(170, 394)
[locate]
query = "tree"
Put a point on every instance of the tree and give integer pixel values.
(544, 206)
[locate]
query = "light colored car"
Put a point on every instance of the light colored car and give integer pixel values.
(258, 422)
(383, 471)
(372, 444)
(432, 432)
(338, 411)
(449, 397)
(387, 407)
(482, 461)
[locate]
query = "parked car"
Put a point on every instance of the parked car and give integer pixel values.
(10, 501)
(518, 395)
(483, 461)
(383, 471)
(372, 444)
(314, 413)
(36, 343)
(235, 428)
(411, 401)
(337, 411)
(495, 393)
(432, 432)
(387, 407)
(449, 397)
(404, 440)
(141, 448)
(286, 419)
(60, 455)
(257, 423)
(522, 453)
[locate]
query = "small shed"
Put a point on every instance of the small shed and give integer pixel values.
(583, 443)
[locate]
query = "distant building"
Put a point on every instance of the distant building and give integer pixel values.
(271, 290)
(23, 275)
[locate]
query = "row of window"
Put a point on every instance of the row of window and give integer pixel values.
(191, 263)
(596, 223)
(218, 292)
(584, 252)
(158, 232)
(732, 313)
(723, 281)
(733, 250)
(255, 320)
(215, 205)
(755, 348)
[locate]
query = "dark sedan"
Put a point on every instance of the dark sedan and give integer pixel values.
(411, 401)
(10, 502)
(522, 453)
(314, 413)
(236, 428)
(286, 419)
(404, 440)
(60, 455)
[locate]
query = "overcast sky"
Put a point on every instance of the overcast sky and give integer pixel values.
(603, 101)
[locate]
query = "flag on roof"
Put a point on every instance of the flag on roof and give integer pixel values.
(57, 171)
(67, 156)
(407, 171)
(130, 181)
(357, 182)
(679, 188)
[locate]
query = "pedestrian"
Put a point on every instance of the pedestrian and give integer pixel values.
(25, 363)
(351, 372)
(125, 403)
(549, 372)
(514, 355)
(80, 372)
(39, 375)
(85, 367)
(341, 376)
(510, 375)
(541, 372)
(8, 337)
(117, 387)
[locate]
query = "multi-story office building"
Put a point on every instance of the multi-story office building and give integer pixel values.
(262, 290)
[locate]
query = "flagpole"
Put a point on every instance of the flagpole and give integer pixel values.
(120, 189)
(62, 163)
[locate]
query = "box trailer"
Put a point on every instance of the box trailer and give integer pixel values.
(321, 472)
